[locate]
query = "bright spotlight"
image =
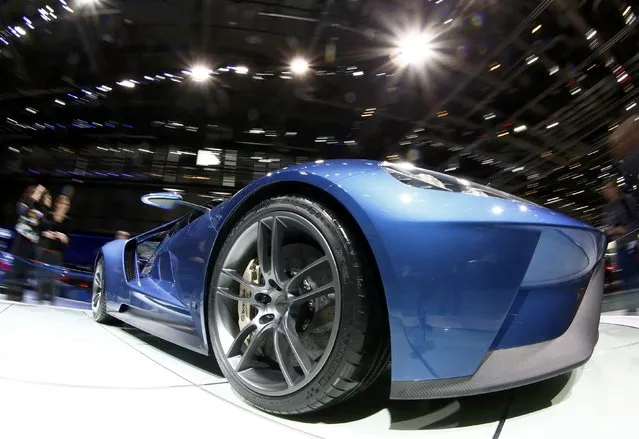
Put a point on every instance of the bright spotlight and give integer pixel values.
(299, 66)
(242, 70)
(413, 49)
(200, 73)
(127, 83)
(86, 2)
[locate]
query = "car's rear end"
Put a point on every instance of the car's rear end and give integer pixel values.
(485, 291)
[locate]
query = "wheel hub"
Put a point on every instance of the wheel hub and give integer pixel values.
(280, 303)
(275, 304)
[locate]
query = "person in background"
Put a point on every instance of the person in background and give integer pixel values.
(31, 208)
(54, 238)
(624, 147)
(121, 234)
(621, 220)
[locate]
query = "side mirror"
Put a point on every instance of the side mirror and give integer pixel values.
(162, 200)
(170, 201)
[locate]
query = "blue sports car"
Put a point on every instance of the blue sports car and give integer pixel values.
(311, 281)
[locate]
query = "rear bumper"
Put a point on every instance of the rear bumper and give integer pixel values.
(507, 368)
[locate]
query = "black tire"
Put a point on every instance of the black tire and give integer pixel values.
(361, 350)
(98, 309)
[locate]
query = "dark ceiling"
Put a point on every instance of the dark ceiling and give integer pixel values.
(520, 94)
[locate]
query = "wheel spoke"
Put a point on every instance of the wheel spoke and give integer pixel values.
(276, 246)
(251, 349)
(294, 342)
(97, 279)
(262, 247)
(225, 292)
(233, 274)
(96, 299)
(236, 347)
(269, 244)
(313, 294)
(282, 360)
(294, 283)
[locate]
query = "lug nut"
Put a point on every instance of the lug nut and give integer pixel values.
(266, 318)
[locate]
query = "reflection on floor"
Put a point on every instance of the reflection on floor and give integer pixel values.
(60, 373)
(31, 297)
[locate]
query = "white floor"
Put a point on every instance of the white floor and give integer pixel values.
(62, 375)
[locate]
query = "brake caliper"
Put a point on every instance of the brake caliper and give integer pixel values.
(244, 314)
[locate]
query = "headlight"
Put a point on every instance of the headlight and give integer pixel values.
(426, 179)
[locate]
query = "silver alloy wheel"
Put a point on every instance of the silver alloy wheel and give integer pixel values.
(276, 354)
(97, 289)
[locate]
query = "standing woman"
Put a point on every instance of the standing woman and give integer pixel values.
(31, 209)
(53, 240)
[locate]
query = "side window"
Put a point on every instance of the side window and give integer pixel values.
(195, 215)
(146, 249)
(184, 221)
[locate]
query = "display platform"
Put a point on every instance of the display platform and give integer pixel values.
(62, 375)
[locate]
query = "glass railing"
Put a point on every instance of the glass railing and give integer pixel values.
(30, 280)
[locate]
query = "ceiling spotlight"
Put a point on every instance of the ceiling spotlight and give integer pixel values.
(413, 49)
(127, 83)
(299, 66)
(86, 2)
(200, 73)
(242, 70)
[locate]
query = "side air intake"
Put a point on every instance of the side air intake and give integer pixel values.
(129, 261)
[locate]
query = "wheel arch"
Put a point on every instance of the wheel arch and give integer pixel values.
(290, 188)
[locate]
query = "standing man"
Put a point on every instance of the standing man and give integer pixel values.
(624, 147)
(622, 221)
(122, 234)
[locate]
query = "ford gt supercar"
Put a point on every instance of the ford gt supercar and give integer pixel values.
(310, 282)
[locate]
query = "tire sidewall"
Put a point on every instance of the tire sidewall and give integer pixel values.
(347, 265)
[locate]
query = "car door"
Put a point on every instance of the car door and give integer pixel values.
(159, 287)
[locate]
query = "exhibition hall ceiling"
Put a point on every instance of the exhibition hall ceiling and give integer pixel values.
(518, 94)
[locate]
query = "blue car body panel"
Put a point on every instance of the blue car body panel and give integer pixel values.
(463, 275)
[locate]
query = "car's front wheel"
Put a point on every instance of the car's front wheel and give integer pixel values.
(296, 316)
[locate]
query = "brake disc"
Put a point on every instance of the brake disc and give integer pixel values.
(315, 330)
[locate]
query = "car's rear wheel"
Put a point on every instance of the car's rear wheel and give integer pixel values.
(296, 316)
(98, 296)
